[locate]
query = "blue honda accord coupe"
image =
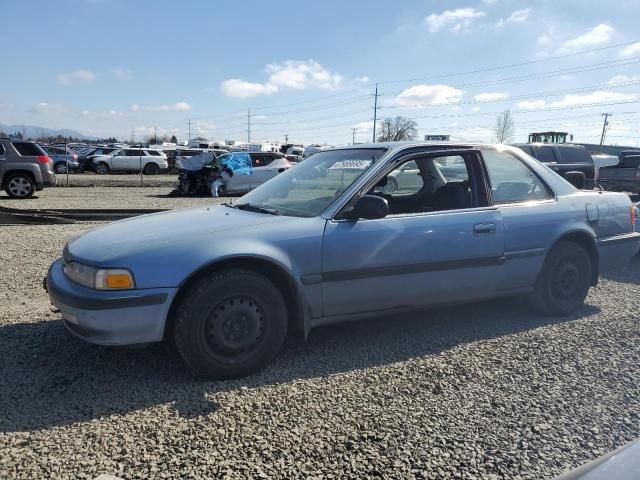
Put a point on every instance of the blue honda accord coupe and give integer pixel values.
(328, 240)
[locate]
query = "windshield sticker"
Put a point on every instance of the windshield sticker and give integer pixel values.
(356, 164)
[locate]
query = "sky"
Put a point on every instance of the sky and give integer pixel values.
(307, 71)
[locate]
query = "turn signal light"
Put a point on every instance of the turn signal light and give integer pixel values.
(118, 280)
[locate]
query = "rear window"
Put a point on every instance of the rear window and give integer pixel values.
(28, 149)
(545, 154)
(575, 155)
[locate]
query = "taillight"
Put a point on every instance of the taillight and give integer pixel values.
(75, 157)
(43, 159)
(633, 215)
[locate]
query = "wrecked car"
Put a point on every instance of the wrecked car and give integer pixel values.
(230, 173)
(325, 242)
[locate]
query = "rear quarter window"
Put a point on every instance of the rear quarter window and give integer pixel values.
(28, 149)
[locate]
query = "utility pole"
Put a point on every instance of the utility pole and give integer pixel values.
(375, 113)
(604, 126)
(353, 134)
(286, 138)
(155, 135)
(132, 136)
(248, 125)
(189, 138)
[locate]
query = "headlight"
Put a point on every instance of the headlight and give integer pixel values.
(99, 278)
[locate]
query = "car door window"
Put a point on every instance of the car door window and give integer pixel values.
(545, 154)
(511, 180)
(631, 162)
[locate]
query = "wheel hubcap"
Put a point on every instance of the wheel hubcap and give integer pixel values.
(20, 187)
(234, 327)
(61, 168)
(566, 280)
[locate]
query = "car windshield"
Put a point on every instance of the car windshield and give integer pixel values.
(310, 187)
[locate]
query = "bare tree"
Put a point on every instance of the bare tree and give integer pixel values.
(397, 129)
(505, 127)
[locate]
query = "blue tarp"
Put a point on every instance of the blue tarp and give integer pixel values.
(238, 162)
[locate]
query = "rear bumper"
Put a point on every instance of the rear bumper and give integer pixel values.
(616, 250)
(109, 317)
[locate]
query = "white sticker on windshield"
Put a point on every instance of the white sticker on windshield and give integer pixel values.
(356, 164)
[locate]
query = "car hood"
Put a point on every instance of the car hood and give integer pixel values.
(165, 233)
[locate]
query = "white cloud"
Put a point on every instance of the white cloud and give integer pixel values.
(363, 79)
(456, 108)
(630, 50)
(593, 97)
(302, 74)
(45, 107)
(531, 104)
(364, 126)
(121, 73)
(420, 95)
(518, 16)
(566, 77)
(623, 79)
(176, 107)
(596, 36)
(293, 74)
(77, 76)
(544, 40)
(475, 109)
(456, 20)
(490, 96)
(237, 88)
(489, 2)
(476, 134)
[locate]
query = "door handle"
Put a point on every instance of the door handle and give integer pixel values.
(484, 228)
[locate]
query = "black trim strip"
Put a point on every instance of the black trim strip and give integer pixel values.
(101, 303)
(530, 252)
(343, 275)
(614, 240)
(311, 279)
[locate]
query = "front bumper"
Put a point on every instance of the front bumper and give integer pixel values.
(616, 250)
(124, 317)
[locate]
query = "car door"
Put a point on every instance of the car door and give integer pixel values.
(416, 258)
(119, 160)
(240, 164)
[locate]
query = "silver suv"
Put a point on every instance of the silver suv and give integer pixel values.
(24, 168)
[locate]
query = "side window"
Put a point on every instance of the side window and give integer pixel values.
(257, 160)
(631, 162)
(545, 154)
(574, 155)
(28, 149)
(511, 180)
(1, 149)
(133, 153)
(404, 180)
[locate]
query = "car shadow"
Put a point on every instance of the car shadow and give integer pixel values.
(11, 199)
(50, 378)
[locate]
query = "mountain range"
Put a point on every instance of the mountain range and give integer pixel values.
(35, 131)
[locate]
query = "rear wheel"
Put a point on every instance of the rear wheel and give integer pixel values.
(102, 168)
(19, 185)
(230, 324)
(151, 169)
(60, 167)
(391, 186)
(564, 281)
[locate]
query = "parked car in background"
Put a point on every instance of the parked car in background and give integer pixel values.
(563, 158)
(150, 161)
(184, 153)
(85, 159)
(62, 159)
(323, 242)
(624, 176)
(24, 168)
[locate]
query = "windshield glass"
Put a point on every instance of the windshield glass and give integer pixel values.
(310, 187)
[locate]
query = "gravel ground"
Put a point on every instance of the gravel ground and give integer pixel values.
(116, 180)
(483, 391)
(107, 197)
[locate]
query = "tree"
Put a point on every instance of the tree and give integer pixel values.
(174, 139)
(200, 139)
(397, 129)
(505, 127)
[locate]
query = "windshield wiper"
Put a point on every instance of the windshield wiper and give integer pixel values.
(256, 208)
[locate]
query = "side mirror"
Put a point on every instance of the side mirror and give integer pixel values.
(577, 179)
(370, 207)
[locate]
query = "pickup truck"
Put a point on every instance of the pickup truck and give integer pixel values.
(623, 177)
(563, 158)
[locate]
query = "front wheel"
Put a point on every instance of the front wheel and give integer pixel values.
(19, 185)
(391, 187)
(564, 281)
(102, 168)
(230, 324)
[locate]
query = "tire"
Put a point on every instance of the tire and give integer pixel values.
(564, 281)
(19, 185)
(230, 324)
(151, 169)
(60, 168)
(391, 187)
(102, 168)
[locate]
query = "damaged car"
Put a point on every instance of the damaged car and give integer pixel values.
(228, 173)
(326, 242)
